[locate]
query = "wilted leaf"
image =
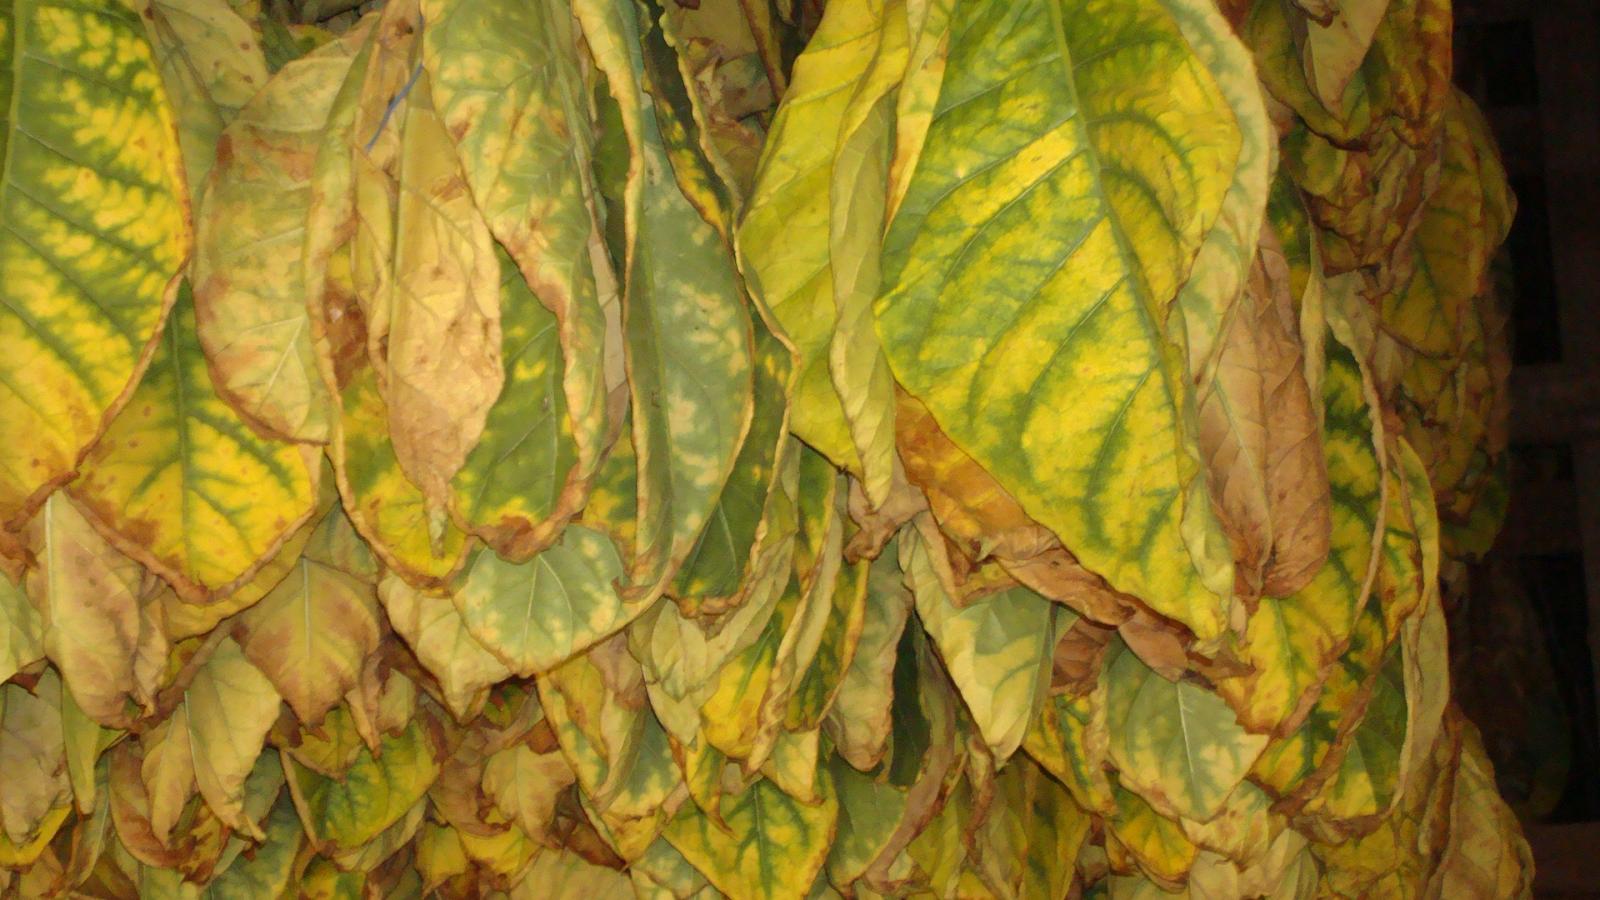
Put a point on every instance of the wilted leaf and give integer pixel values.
(248, 269)
(310, 634)
(88, 599)
(378, 791)
(31, 752)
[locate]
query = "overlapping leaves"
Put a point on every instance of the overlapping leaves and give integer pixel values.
(743, 449)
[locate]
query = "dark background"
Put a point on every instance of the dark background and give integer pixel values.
(1528, 637)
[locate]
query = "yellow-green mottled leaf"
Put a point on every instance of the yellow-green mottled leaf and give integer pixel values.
(1175, 744)
(322, 880)
(686, 324)
(773, 847)
(727, 555)
(822, 678)
(599, 733)
(1071, 741)
(231, 706)
(1368, 777)
(520, 483)
(508, 82)
(1156, 842)
(21, 632)
(211, 64)
(95, 217)
(377, 791)
(181, 483)
(248, 268)
(87, 595)
(996, 648)
(869, 812)
(269, 869)
(384, 505)
(663, 874)
(1059, 382)
(856, 220)
(1290, 641)
(438, 636)
(784, 240)
(1455, 239)
(573, 873)
(535, 615)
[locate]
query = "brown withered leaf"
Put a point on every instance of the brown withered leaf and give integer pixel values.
(984, 521)
(1296, 470)
(425, 269)
(88, 597)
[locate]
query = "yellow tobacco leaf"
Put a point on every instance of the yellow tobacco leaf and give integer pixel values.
(1026, 382)
(181, 483)
(248, 268)
(32, 754)
(230, 707)
(96, 221)
(784, 241)
(211, 65)
(424, 270)
(311, 634)
(88, 597)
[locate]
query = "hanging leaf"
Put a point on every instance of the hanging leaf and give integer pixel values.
(97, 226)
(179, 463)
(1021, 400)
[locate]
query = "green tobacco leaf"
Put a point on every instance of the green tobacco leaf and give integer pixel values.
(96, 228)
(784, 241)
(508, 85)
(211, 64)
(1177, 745)
(248, 268)
(1368, 777)
(773, 846)
(996, 648)
(1059, 383)
(536, 615)
(230, 708)
(312, 633)
(184, 485)
(686, 326)
(268, 870)
(377, 791)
